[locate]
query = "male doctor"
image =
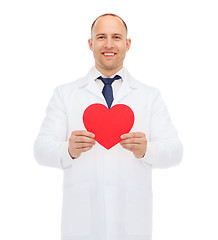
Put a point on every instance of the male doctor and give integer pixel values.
(107, 193)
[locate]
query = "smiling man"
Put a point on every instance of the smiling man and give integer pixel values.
(109, 44)
(107, 192)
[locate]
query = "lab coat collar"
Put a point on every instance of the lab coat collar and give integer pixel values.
(129, 83)
(94, 74)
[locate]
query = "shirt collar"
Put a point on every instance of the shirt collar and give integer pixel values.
(95, 73)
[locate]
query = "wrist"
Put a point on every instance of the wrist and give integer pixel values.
(71, 155)
(139, 155)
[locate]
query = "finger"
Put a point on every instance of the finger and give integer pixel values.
(132, 135)
(86, 149)
(132, 141)
(82, 139)
(131, 145)
(83, 133)
(79, 146)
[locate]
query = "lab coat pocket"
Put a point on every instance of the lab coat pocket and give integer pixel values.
(76, 210)
(138, 212)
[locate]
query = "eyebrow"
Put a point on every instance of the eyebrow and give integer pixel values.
(100, 34)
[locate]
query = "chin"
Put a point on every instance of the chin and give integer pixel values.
(110, 67)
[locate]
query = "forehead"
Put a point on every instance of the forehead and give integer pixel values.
(109, 24)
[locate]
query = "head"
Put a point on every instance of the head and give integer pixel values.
(109, 43)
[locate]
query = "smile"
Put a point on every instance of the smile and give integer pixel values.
(109, 54)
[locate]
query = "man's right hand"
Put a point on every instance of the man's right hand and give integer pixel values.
(80, 141)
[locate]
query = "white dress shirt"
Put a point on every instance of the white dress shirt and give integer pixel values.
(115, 85)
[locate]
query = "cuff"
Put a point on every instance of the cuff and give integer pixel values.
(66, 160)
(149, 155)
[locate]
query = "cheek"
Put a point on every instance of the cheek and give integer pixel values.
(97, 47)
(122, 52)
(95, 51)
(122, 49)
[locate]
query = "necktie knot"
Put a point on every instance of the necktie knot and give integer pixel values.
(107, 89)
(109, 80)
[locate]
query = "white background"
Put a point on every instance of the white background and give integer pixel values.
(174, 48)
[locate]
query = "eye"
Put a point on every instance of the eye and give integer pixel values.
(100, 37)
(117, 37)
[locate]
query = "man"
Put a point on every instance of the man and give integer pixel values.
(107, 192)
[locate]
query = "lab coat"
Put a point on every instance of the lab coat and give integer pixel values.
(107, 194)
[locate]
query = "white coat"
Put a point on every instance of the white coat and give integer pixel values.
(107, 194)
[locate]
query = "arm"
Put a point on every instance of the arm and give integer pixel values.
(163, 148)
(52, 148)
(51, 145)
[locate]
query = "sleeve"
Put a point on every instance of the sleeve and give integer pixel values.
(51, 144)
(164, 148)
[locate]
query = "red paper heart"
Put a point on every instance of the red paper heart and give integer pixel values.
(108, 124)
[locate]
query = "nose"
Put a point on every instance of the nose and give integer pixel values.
(109, 43)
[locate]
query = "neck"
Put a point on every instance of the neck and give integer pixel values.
(108, 73)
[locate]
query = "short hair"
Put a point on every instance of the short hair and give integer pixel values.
(109, 14)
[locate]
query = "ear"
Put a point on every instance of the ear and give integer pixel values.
(128, 44)
(90, 43)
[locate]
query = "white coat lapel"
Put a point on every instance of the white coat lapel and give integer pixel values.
(123, 91)
(128, 85)
(126, 88)
(94, 89)
(88, 83)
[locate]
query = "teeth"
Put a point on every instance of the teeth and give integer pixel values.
(109, 54)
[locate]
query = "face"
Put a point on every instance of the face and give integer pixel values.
(109, 44)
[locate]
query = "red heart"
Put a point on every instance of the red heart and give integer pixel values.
(108, 124)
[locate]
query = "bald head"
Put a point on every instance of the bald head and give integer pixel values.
(105, 15)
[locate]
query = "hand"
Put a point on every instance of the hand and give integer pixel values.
(135, 142)
(80, 141)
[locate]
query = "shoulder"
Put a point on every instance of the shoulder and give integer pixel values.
(67, 89)
(74, 85)
(141, 87)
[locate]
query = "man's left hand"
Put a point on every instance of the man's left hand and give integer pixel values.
(135, 142)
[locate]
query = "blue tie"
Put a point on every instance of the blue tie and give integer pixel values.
(107, 89)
